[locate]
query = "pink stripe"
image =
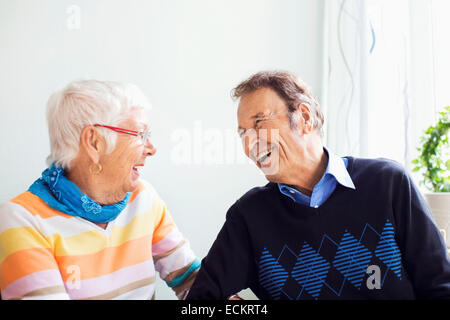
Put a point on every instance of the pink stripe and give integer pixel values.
(31, 282)
(169, 242)
(100, 285)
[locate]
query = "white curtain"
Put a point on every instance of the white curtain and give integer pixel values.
(379, 90)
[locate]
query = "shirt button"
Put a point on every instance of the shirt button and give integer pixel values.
(291, 191)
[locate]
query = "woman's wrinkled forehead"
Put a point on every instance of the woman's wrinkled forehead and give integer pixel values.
(137, 118)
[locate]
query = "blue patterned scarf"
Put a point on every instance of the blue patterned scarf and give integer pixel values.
(62, 194)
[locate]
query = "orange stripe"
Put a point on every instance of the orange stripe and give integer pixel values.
(165, 225)
(139, 189)
(107, 260)
(36, 206)
(25, 262)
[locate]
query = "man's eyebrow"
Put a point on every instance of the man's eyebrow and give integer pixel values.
(258, 115)
(255, 116)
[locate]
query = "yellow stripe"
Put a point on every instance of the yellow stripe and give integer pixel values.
(20, 238)
(93, 241)
(83, 243)
(89, 242)
(139, 226)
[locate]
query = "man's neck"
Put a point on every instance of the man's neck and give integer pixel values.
(308, 172)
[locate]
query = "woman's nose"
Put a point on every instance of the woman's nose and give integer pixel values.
(150, 149)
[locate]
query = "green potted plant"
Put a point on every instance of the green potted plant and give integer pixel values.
(434, 164)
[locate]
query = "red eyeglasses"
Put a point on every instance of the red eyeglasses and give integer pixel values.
(143, 134)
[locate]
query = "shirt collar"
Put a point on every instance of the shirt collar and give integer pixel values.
(337, 168)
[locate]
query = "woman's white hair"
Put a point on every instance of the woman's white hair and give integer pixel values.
(87, 102)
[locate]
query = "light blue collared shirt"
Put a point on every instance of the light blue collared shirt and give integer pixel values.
(335, 172)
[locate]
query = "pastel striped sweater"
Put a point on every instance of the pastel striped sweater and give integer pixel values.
(47, 254)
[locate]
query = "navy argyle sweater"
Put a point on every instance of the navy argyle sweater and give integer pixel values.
(378, 241)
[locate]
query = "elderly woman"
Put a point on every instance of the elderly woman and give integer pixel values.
(89, 227)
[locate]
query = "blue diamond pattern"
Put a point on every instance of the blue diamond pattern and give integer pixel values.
(272, 275)
(310, 270)
(388, 251)
(352, 259)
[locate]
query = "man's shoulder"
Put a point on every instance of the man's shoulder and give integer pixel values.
(257, 195)
(377, 166)
(254, 200)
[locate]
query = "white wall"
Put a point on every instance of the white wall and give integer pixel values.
(185, 55)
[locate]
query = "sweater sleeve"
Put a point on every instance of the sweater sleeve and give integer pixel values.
(173, 257)
(228, 267)
(28, 269)
(424, 252)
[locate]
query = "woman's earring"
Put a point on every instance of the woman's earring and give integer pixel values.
(98, 169)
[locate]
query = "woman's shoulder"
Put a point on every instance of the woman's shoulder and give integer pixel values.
(29, 204)
(27, 212)
(144, 196)
(18, 212)
(144, 189)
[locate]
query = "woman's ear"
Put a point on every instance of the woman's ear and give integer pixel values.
(92, 143)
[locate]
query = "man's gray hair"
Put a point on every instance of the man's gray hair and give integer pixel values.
(290, 88)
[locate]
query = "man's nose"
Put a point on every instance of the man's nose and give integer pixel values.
(249, 141)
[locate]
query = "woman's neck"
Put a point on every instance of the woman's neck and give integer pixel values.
(93, 186)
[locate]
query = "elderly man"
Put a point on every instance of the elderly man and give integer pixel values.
(324, 227)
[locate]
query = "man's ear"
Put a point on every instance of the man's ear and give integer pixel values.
(306, 125)
(92, 143)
